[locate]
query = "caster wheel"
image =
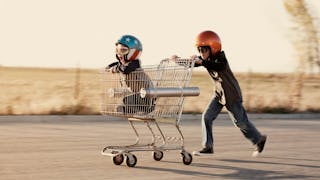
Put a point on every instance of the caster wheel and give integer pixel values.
(186, 158)
(118, 159)
(157, 155)
(131, 160)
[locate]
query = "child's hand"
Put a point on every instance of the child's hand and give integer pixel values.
(112, 69)
(193, 57)
(196, 59)
(107, 69)
(174, 57)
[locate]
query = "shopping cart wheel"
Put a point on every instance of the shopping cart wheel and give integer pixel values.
(118, 159)
(157, 155)
(131, 160)
(186, 158)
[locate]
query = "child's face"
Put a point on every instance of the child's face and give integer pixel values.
(204, 52)
(121, 51)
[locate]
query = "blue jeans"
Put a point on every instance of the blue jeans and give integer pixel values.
(237, 114)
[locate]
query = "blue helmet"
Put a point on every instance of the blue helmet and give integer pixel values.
(134, 45)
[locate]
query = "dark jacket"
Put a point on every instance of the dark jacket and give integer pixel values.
(135, 77)
(227, 88)
(126, 69)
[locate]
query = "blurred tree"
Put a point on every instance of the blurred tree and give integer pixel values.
(305, 37)
(306, 42)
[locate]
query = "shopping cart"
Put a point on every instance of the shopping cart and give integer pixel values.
(153, 95)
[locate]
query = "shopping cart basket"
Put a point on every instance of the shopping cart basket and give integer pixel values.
(152, 94)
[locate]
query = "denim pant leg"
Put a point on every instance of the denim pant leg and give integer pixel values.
(130, 103)
(239, 117)
(210, 114)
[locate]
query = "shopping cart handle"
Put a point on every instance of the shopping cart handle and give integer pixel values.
(169, 92)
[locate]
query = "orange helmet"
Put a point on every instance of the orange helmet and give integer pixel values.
(209, 38)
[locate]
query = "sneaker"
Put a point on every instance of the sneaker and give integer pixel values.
(260, 145)
(205, 151)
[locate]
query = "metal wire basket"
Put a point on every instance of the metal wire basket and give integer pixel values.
(150, 94)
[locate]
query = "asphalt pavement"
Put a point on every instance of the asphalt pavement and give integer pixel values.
(69, 147)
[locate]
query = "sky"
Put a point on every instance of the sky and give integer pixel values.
(82, 33)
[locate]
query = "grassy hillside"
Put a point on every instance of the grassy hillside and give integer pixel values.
(77, 91)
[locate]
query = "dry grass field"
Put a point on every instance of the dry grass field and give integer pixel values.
(77, 91)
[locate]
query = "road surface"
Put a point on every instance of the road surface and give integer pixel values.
(68, 147)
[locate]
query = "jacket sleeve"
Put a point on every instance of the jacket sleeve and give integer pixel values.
(112, 64)
(217, 64)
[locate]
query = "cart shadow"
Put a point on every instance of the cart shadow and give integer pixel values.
(275, 163)
(292, 159)
(242, 173)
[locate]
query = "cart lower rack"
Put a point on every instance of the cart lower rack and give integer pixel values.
(151, 95)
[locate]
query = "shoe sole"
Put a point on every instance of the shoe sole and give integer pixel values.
(255, 154)
(197, 153)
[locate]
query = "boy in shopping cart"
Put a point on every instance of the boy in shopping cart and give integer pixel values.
(227, 93)
(128, 51)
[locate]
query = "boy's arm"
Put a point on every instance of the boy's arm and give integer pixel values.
(217, 64)
(112, 64)
(183, 63)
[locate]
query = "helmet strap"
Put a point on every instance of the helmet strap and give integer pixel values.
(126, 58)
